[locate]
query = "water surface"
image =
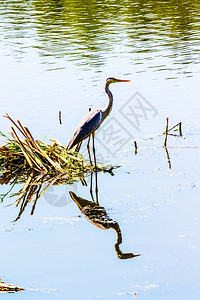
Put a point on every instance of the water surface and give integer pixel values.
(55, 56)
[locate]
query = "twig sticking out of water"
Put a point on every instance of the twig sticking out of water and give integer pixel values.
(166, 135)
(168, 158)
(179, 125)
(135, 144)
(166, 132)
(60, 120)
(180, 129)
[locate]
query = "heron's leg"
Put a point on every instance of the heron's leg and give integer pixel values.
(78, 147)
(88, 148)
(95, 162)
(91, 189)
(84, 183)
(96, 189)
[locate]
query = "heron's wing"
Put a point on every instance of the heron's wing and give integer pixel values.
(86, 127)
(94, 213)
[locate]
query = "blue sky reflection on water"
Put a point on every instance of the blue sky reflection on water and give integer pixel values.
(56, 55)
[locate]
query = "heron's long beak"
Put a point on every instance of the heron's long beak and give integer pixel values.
(123, 80)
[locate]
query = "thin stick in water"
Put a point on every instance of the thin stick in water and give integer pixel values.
(178, 124)
(168, 158)
(135, 144)
(180, 129)
(166, 132)
(60, 120)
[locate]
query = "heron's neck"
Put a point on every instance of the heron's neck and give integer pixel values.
(116, 227)
(107, 110)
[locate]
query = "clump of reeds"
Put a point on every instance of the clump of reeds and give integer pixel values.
(38, 166)
(22, 155)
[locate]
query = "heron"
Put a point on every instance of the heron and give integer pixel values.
(91, 122)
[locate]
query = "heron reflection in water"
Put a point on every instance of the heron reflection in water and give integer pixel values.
(98, 216)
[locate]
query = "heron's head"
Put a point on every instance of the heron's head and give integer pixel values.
(113, 80)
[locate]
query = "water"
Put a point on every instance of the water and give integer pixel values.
(55, 56)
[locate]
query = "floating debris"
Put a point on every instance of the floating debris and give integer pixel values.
(8, 288)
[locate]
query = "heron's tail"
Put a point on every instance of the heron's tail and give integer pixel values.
(70, 145)
(80, 201)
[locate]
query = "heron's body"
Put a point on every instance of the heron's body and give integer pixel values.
(91, 122)
(86, 127)
(94, 213)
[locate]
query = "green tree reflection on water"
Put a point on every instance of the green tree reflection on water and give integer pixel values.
(86, 31)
